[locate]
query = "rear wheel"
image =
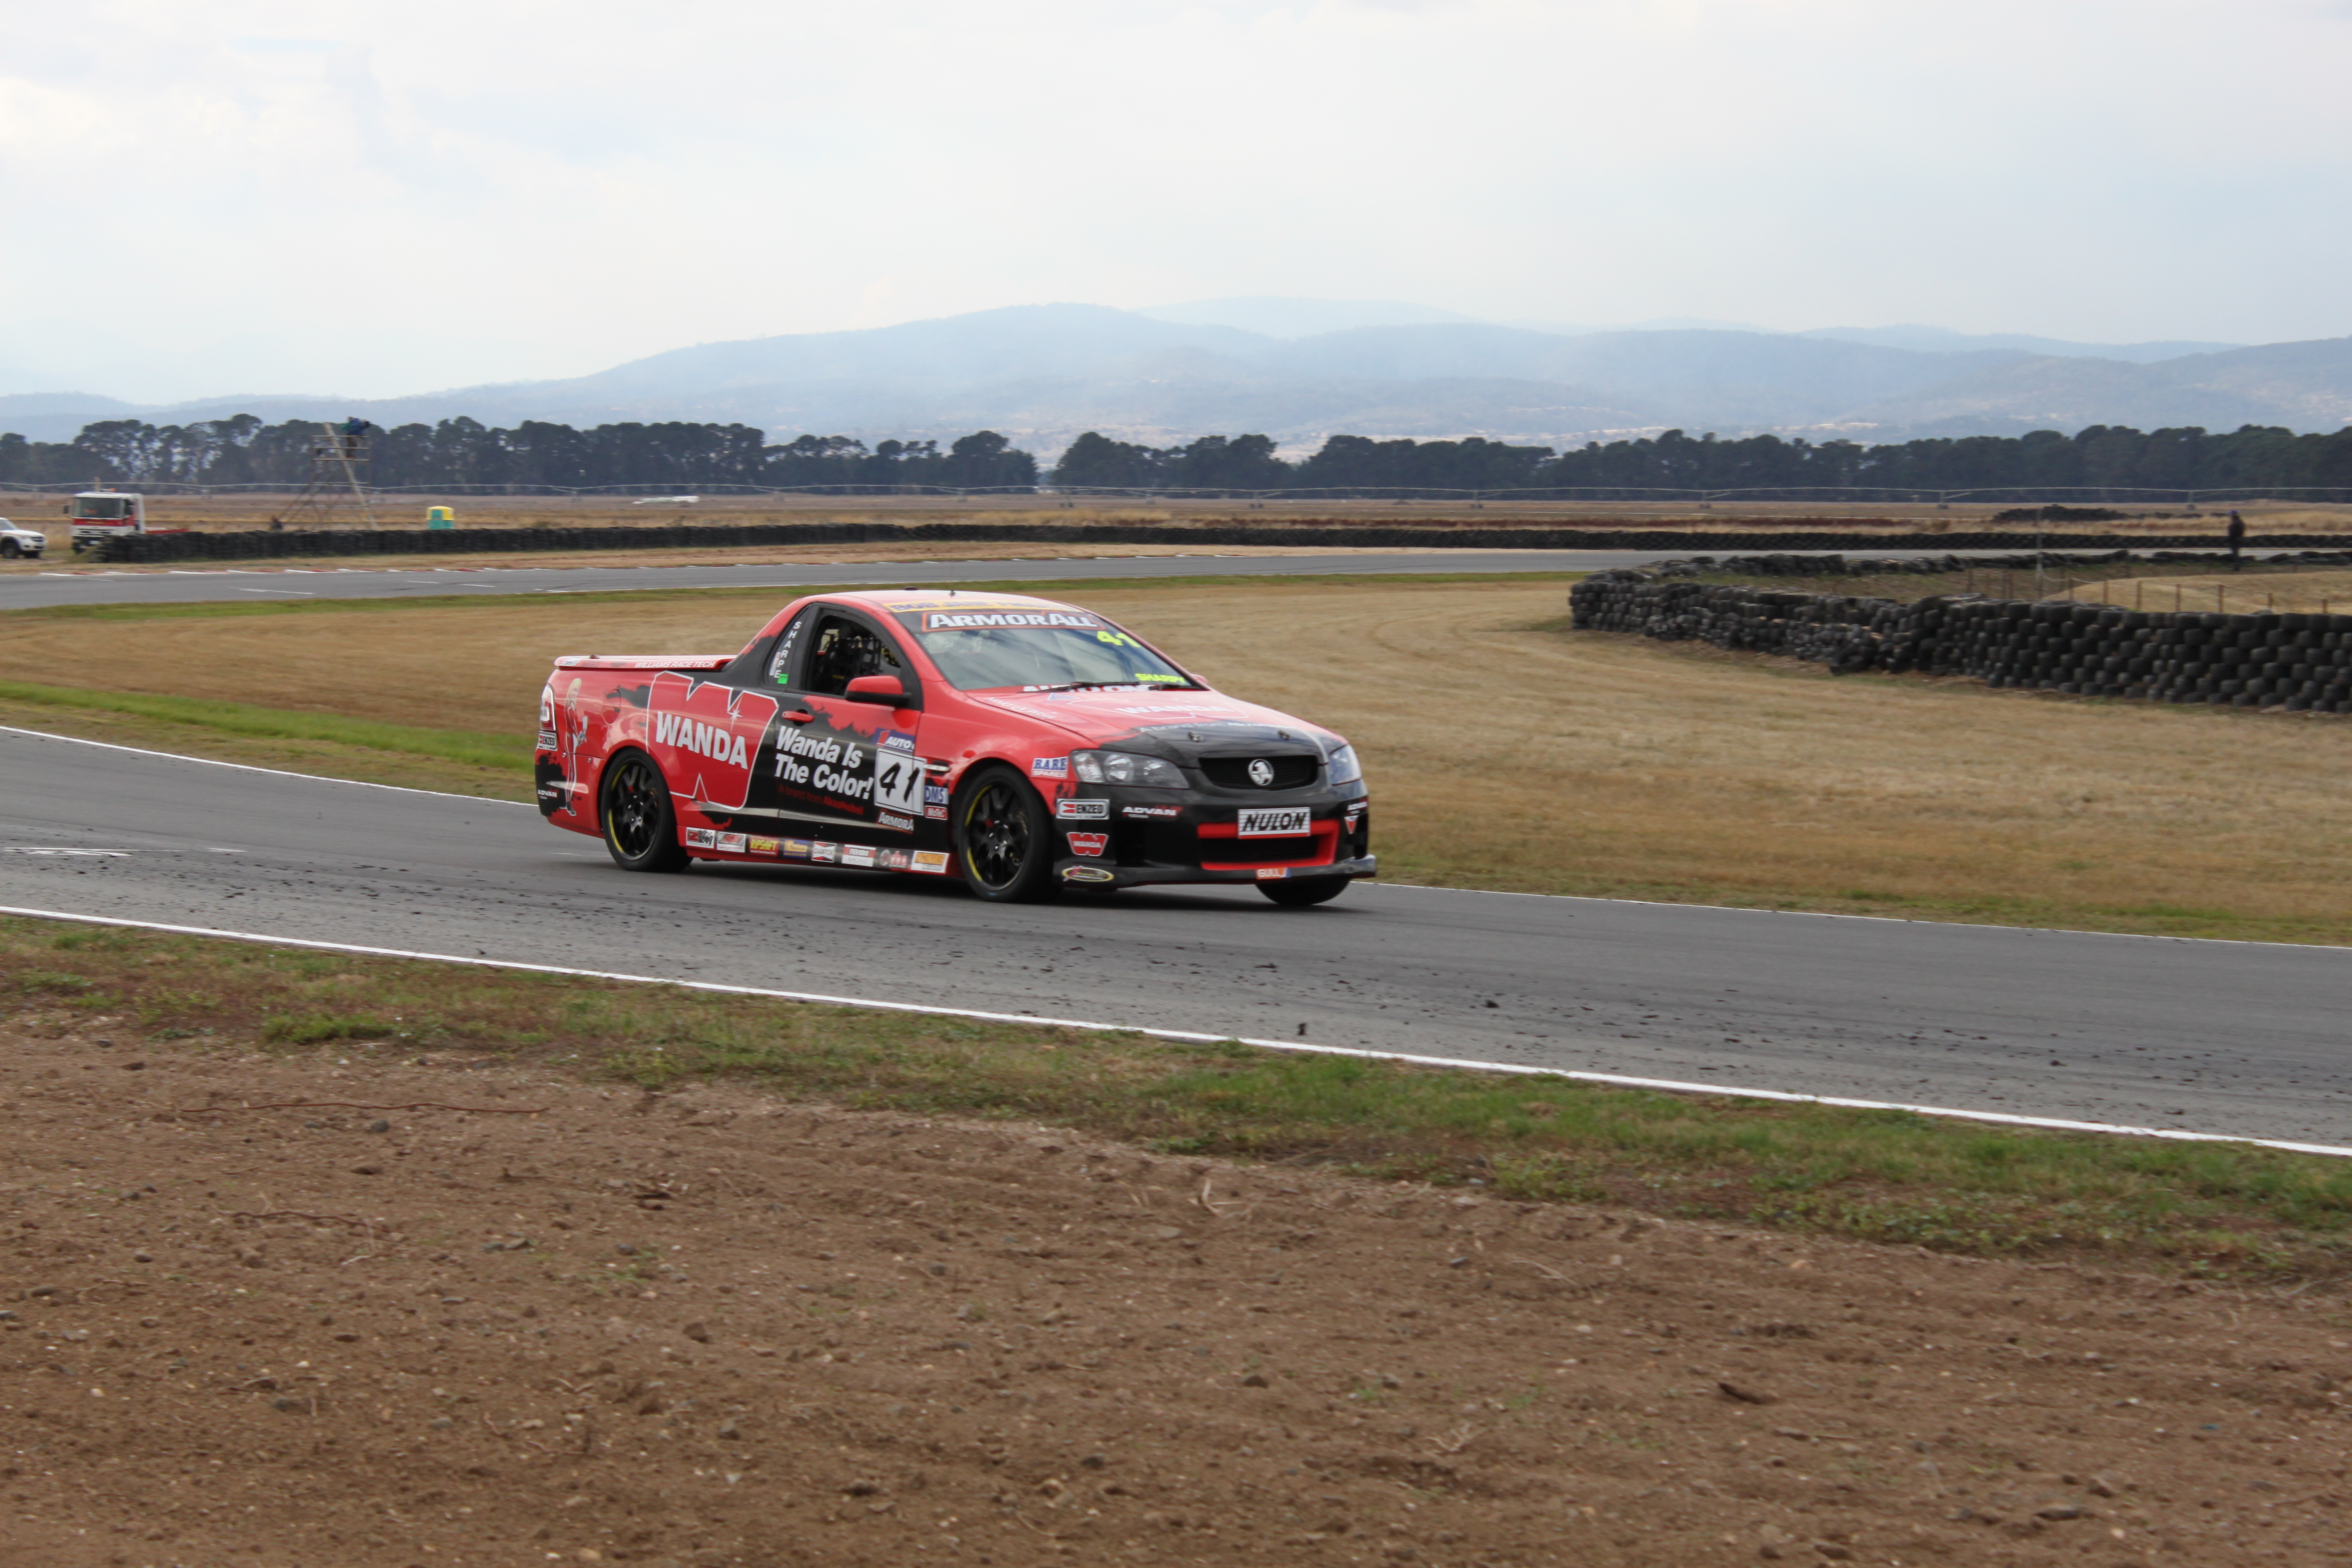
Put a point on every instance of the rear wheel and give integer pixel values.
(1004, 841)
(1298, 892)
(640, 823)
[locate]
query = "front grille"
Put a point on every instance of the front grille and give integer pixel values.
(1233, 773)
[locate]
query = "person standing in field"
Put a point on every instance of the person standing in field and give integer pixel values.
(2237, 537)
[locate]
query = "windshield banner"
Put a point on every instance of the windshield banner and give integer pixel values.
(966, 620)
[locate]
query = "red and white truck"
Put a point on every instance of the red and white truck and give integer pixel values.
(101, 514)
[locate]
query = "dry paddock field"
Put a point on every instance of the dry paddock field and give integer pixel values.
(1506, 751)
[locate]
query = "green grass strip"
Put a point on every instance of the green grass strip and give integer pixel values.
(2221, 1210)
(467, 746)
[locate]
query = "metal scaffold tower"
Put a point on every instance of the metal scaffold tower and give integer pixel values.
(338, 485)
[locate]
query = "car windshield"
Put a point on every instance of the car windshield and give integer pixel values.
(984, 647)
(101, 507)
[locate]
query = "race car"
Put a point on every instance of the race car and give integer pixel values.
(1024, 745)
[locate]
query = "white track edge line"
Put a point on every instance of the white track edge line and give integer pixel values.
(1614, 1079)
(250, 767)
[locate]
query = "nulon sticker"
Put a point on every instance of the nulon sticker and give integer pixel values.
(1274, 822)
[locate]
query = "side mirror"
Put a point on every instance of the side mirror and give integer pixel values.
(877, 688)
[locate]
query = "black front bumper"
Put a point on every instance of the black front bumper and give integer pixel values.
(1145, 838)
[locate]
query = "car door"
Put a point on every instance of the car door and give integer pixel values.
(852, 767)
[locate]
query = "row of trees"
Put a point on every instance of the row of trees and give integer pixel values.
(245, 450)
(2102, 456)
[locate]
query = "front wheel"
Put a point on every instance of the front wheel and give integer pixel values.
(1004, 840)
(10, 550)
(1293, 893)
(640, 823)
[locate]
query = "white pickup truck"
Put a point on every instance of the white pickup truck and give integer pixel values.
(18, 542)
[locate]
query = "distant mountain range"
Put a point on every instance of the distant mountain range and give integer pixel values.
(1301, 369)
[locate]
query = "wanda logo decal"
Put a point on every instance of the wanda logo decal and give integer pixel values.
(708, 735)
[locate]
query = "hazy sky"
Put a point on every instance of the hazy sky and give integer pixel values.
(264, 195)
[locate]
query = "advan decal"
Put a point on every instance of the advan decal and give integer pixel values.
(706, 736)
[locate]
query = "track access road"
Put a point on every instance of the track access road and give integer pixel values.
(2237, 1038)
(31, 589)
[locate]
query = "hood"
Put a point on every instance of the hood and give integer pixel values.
(1183, 721)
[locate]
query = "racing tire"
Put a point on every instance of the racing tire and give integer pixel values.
(640, 823)
(1298, 893)
(10, 550)
(1004, 840)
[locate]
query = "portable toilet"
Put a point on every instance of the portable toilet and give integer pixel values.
(440, 517)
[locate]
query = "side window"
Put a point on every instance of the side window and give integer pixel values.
(780, 663)
(842, 651)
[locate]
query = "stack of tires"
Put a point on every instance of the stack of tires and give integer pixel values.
(2302, 663)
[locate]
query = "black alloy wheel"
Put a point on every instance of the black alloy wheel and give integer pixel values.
(640, 823)
(1298, 892)
(1004, 840)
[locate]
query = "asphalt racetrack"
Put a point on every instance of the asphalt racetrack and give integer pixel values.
(2241, 1039)
(97, 586)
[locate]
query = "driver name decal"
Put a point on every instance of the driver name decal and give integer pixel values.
(705, 737)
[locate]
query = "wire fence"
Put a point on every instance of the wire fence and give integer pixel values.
(677, 491)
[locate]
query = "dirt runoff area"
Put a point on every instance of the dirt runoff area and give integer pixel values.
(583, 1323)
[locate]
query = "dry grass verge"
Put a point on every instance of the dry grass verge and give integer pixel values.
(2223, 1209)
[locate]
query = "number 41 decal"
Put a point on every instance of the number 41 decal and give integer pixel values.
(899, 783)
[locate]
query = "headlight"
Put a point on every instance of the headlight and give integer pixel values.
(1127, 768)
(1344, 767)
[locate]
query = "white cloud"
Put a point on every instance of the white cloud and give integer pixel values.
(263, 195)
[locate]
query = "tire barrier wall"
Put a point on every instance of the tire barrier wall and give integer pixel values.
(2299, 662)
(1936, 566)
(262, 543)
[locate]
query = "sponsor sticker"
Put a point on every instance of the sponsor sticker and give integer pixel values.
(893, 859)
(936, 813)
(897, 741)
(1087, 874)
(1081, 810)
(932, 860)
(1090, 844)
(935, 794)
(1150, 813)
(547, 739)
(733, 843)
(1355, 815)
(857, 855)
(1274, 822)
(968, 620)
(1049, 767)
(824, 854)
(762, 846)
(1273, 873)
(896, 824)
(701, 838)
(796, 849)
(550, 792)
(704, 736)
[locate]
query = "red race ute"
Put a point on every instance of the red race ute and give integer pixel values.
(1023, 745)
